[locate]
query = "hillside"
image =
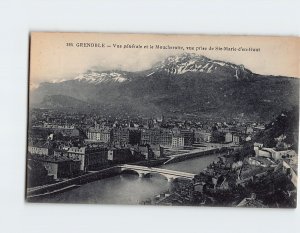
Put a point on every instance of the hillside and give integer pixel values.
(282, 131)
(61, 101)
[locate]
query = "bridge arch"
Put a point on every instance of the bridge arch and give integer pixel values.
(143, 171)
(134, 171)
(162, 175)
(146, 174)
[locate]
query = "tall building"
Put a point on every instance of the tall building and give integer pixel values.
(177, 141)
(100, 134)
(120, 136)
(166, 138)
(156, 137)
(150, 136)
(145, 137)
(188, 136)
(90, 156)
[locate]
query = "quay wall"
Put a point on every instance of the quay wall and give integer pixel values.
(182, 157)
(113, 171)
(86, 178)
(89, 177)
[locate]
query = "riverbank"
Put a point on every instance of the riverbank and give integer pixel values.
(83, 179)
(194, 154)
(48, 191)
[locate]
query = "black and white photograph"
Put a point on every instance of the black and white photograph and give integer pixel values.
(165, 120)
(128, 116)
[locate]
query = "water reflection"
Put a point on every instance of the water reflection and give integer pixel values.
(122, 189)
(192, 165)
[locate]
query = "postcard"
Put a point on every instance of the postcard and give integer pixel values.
(154, 119)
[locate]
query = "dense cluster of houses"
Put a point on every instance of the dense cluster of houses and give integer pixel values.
(66, 150)
(58, 146)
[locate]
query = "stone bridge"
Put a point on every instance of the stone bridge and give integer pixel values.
(169, 174)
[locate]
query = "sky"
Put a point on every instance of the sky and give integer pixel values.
(53, 58)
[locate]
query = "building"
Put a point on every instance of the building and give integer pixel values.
(120, 136)
(118, 155)
(146, 152)
(188, 136)
(177, 141)
(90, 157)
(47, 125)
(202, 136)
(264, 152)
(236, 139)
(134, 136)
(67, 130)
(145, 137)
(272, 153)
(60, 152)
(156, 137)
(40, 148)
(37, 174)
(150, 136)
(224, 130)
(165, 138)
(99, 134)
(157, 150)
(228, 137)
(59, 167)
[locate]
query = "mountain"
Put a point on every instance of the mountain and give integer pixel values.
(182, 85)
(96, 77)
(187, 62)
(61, 101)
(84, 86)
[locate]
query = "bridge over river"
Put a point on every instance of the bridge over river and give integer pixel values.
(169, 174)
(114, 186)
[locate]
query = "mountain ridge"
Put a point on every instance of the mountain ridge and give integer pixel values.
(187, 62)
(184, 84)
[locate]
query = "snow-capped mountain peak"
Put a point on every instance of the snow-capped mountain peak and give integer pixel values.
(186, 62)
(96, 77)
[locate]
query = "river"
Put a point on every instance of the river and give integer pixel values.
(127, 188)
